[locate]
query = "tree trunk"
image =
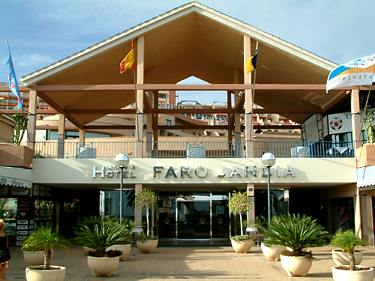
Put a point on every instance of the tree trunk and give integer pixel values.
(241, 224)
(148, 221)
(351, 260)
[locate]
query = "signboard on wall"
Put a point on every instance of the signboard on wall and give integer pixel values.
(339, 123)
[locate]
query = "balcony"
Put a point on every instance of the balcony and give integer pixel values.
(193, 148)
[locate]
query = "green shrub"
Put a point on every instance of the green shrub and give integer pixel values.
(296, 232)
(347, 241)
(46, 239)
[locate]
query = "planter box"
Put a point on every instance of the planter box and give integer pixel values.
(15, 155)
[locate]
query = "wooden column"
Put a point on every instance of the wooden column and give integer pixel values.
(82, 138)
(356, 136)
(155, 124)
(137, 210)
(248, 101)
(31, 123)
(61, 136)
(139, 99)
(356, 119)
(149, 97)
(237, 128)
(230, 124)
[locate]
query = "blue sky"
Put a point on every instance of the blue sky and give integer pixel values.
(41, 32)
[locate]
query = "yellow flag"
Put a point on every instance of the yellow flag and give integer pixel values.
(128, 61)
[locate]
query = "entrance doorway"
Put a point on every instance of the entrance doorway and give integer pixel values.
(187, 216)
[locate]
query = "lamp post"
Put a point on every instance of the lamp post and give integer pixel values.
(123, 161)
(268, 160)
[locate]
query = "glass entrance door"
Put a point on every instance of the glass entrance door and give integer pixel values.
(193, 219)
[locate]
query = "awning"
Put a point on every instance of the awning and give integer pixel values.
(366, 178)
(15, 177)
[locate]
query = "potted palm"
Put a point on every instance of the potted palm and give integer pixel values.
(146, 199)
(297, 232)
(32, 255)
(47, 239)
(100, 236)
(239, 204)
(270, 252)
(347, 241)
(125, 246)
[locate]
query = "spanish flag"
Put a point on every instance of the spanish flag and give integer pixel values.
(251, 63)
(128, 61)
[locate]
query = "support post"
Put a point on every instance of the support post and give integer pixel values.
(250, 190)
(248, 101)
(155, 124)
(149, 97)
(230, 125)
(139, 99)
(31, 123)
(356, 119)
(61, 136)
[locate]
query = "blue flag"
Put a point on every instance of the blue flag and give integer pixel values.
(12, 79)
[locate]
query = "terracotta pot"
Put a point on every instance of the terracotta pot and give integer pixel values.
(342, 258)
(243, 246)
(124, 248)
(37, 273)
(33, 257)
(296, 266)
(273, 252)
(147, 246)
(366, 274)
(103, 266)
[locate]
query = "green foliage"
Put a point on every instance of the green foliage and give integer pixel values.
(369, 125)
(20, 125)
(347, 241)
(143, 237)
(99, 234)
(46, 239)
(240, 238)
(146, 198)
(27, 245)
(296, 232)
(239, 203)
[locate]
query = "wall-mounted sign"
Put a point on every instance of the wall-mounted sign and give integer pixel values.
(339, 123)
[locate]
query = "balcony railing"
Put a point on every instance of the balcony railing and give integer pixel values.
(191, 149)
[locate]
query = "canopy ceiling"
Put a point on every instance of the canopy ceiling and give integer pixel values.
(192, 40)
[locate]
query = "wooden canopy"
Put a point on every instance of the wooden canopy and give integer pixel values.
(191, 40)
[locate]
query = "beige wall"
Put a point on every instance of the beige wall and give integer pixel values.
(6, 131)
(287, 171)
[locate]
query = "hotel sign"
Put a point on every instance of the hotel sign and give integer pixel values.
(190, 172)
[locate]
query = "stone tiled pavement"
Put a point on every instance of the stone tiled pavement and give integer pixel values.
(188, 263)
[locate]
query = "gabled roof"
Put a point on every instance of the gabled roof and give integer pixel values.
(193, 6)
(190, 40)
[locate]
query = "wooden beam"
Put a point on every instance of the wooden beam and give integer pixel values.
(101, 111)
(22, 89)
(178, 87)
(109, 127)
(38, 111)
(225, 127)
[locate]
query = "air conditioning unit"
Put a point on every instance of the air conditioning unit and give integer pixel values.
(300, 151)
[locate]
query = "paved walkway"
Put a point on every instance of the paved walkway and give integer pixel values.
(215, 263)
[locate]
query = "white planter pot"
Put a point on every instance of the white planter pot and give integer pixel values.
(273, 252)
(296, 266)
(33, 257)
(353, 275)
(241, 246)
(37, 273)
(86, 250)
(342, 258)
(147, 246)
(103, 266)
(124, 248)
